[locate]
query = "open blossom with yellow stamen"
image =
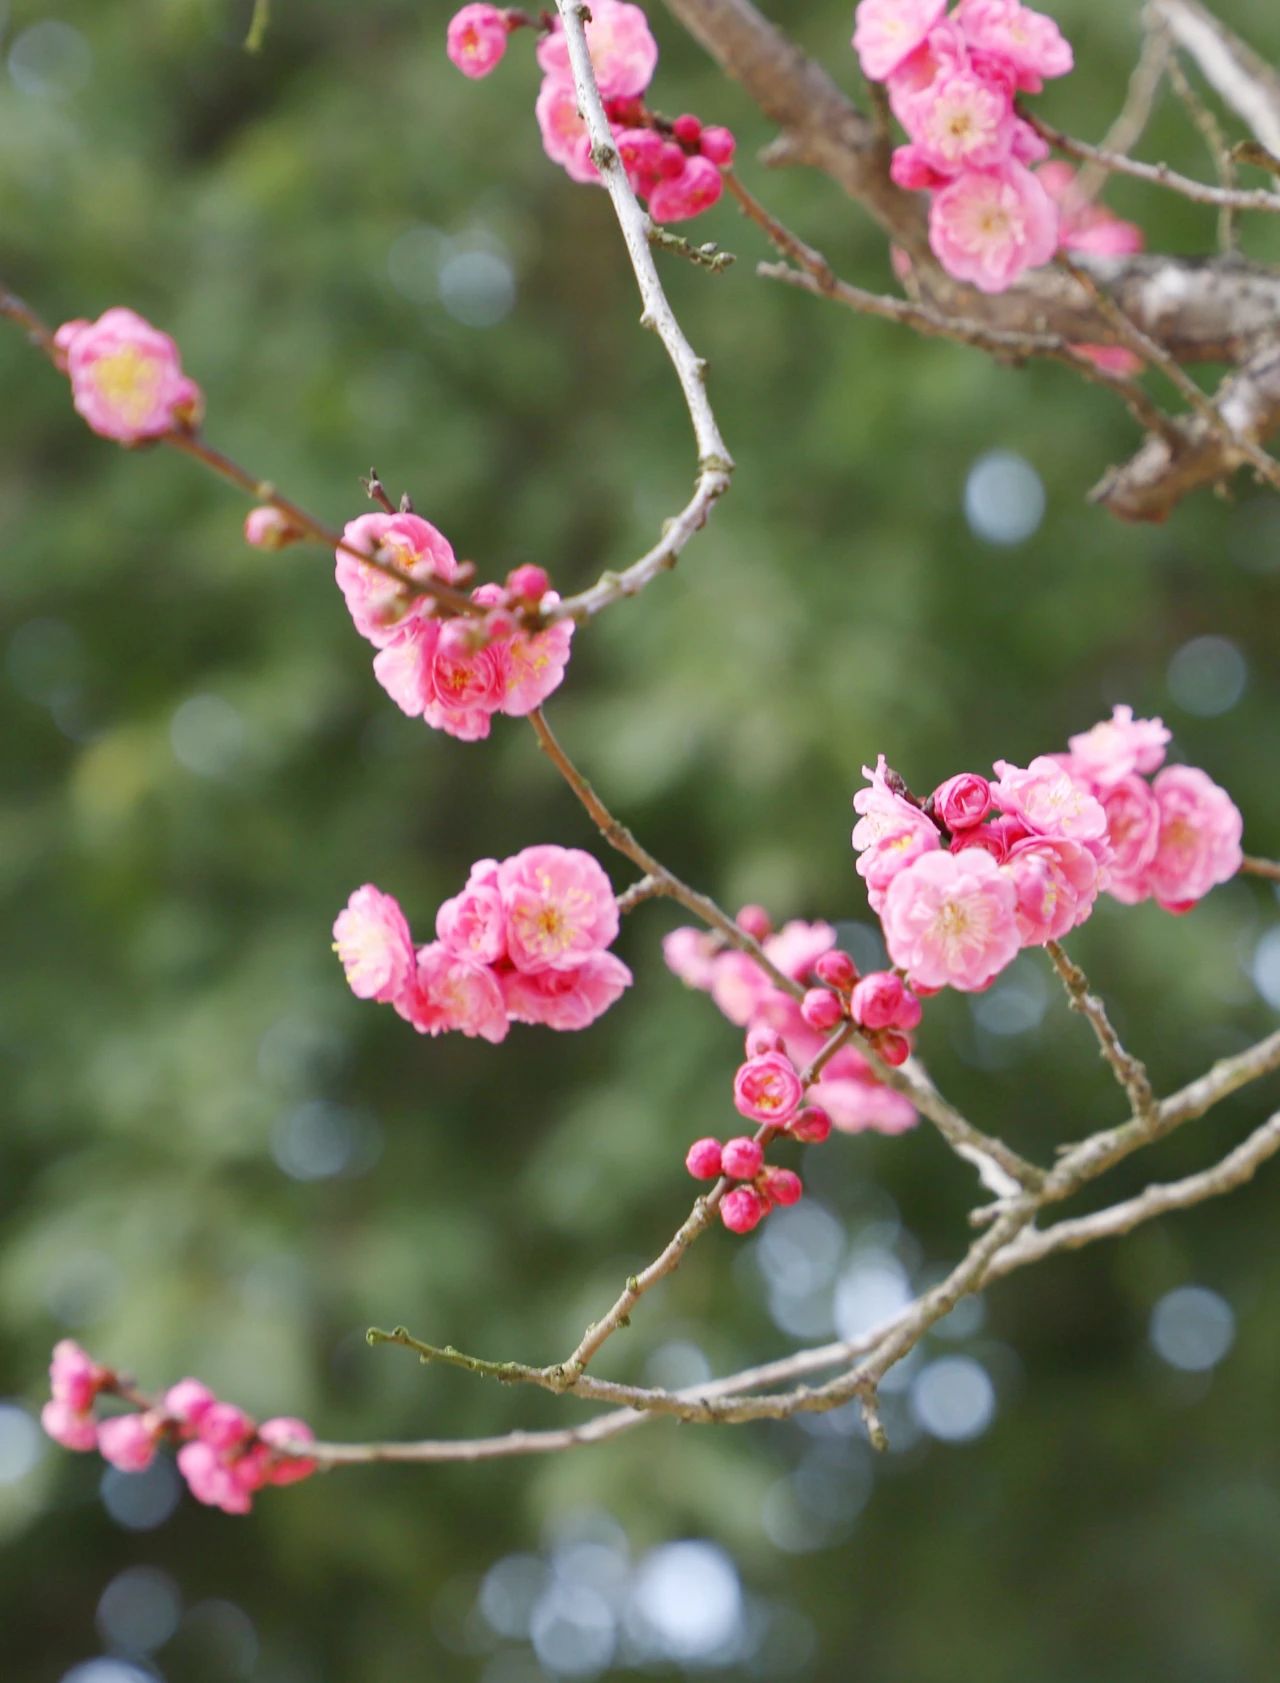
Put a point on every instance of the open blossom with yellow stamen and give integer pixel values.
(372, 939)
(950, 920)
(559, 907)
(126, 377)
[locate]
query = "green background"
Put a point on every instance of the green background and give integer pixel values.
(199, 768)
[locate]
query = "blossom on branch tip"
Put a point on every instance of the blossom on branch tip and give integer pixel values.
(372, 941)
(703, 1159)
(377, 603)
(126, 377)
(1027, 40)
(559, 906)
(477, 38)
(1199, 841)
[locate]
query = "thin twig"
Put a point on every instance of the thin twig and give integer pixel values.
(715, 464)
(1139, 102)
(1155, 175)
(1129, 1071)
(1248, 84)
(1268, 868)
(1219, 152)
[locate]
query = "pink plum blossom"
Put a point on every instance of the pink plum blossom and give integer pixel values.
(127, 1442)
(718, 145)
(566, 999)
(767, 1089)
(942, 53)
(74, 1377)
(1133, 830)
(453, 994)
(210, 1480)
(990, 226)
(995, 838)
(862, 1105)
(624, 54)
(379, 605)
(1049, 800)
(477, 39)
(1086, 225)
(71, 1427)
(275, 1434)
(1117, 747)
(224, 1426)
(781, 1187)
(797, 946)
(881, 1000)
(1026, 40)
(738, 986)
(697, 187)
(950, 920)
(888, 31)
(188, 1400)
(534, 665)
(1056, 882)
(559, 906)
(473, 923)
(371, 938)
(962, 801)
(564, 134)
(964, 123)
(691, 955)
(126, 377)
(1199, 844)
(465, 681)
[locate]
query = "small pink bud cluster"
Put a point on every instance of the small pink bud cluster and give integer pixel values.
(981, 869)
(223, 1455)
(126, 377)
(524, 942)
(952, 82)
(848, 1094)
(453, 673)
(675, 166)
(768, 1090)
(880, 1004)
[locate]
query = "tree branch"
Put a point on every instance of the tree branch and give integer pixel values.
(1249, 85)
(1129, 1071)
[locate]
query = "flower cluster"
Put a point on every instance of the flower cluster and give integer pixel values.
(525, 942)
(847, 1089)
(454, 673)
(126, 377)
(674, 165)
(952, 82)
(963, 880)
(223, 1455)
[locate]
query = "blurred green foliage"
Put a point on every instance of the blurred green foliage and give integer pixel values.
(200, 768)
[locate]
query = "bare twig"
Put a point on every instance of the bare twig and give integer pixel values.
(715, 465)
(1248, 84)
(1128, 1070)
(1268, 868)
(1156, 175)
(1139, 102)
(1211, 132)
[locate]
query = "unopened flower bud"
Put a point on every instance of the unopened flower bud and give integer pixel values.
(741, 1158)
(718, 146)
(780, 1186)
(821, 1009)
(756, 922)
(528, 584)
(687, 130)
(837, 969)
(742, 1209)
(812, 1125)
(894, 1048)
(703, 1159)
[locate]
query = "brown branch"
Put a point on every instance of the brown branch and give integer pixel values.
(1155, 175)
(1129, 1071)
(1139, 102)
(1268, 868)
(1248, 84)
